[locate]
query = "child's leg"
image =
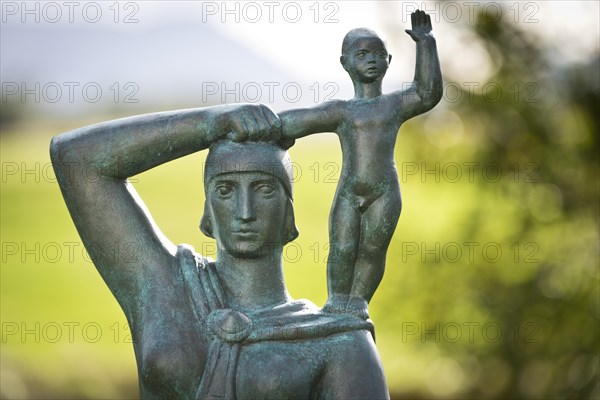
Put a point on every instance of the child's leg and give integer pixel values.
(344, 232)
(377, 228)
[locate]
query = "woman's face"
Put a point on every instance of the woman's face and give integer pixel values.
(248, 213)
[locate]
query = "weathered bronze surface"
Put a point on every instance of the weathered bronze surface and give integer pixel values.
(229, 329)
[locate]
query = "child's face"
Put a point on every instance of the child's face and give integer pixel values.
(367, 59)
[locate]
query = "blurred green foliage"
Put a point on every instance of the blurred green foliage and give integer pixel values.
(542, 293)
(492, 282)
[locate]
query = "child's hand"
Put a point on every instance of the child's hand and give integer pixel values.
(421, 26)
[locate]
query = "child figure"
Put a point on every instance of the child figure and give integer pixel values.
(367, 201)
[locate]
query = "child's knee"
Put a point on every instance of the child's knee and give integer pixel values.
(374, 250)
(343, 251)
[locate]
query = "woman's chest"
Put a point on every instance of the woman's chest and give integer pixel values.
(279, 370)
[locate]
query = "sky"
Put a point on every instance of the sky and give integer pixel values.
(74, 57)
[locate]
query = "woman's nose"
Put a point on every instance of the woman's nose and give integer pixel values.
(245, 206)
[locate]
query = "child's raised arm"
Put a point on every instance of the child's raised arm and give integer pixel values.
(427, 88)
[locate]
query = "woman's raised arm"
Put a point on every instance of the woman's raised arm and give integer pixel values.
(92, 165)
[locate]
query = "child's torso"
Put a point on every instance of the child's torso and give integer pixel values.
(368, 136)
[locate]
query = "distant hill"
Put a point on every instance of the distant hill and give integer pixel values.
(167, 64)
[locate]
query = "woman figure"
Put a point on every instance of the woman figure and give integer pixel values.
(224, 329)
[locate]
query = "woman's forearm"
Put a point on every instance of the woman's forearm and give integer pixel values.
(128, 146)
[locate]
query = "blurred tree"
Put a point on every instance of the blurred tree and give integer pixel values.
(11, 112)
(542, 132)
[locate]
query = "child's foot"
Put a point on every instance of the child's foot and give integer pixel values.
(358, 307)
(336, 304)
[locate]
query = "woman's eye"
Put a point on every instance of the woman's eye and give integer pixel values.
(224, 190)
(265, 189)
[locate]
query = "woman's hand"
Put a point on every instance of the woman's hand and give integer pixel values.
(253, 122)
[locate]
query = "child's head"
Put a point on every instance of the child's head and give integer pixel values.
(364, 55)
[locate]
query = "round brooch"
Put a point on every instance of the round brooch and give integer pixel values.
(229, 325)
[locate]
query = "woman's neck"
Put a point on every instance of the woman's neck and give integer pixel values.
(252, 283)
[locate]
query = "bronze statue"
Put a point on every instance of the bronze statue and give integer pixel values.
(367, 201)
(229, 329)
(201, 329)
